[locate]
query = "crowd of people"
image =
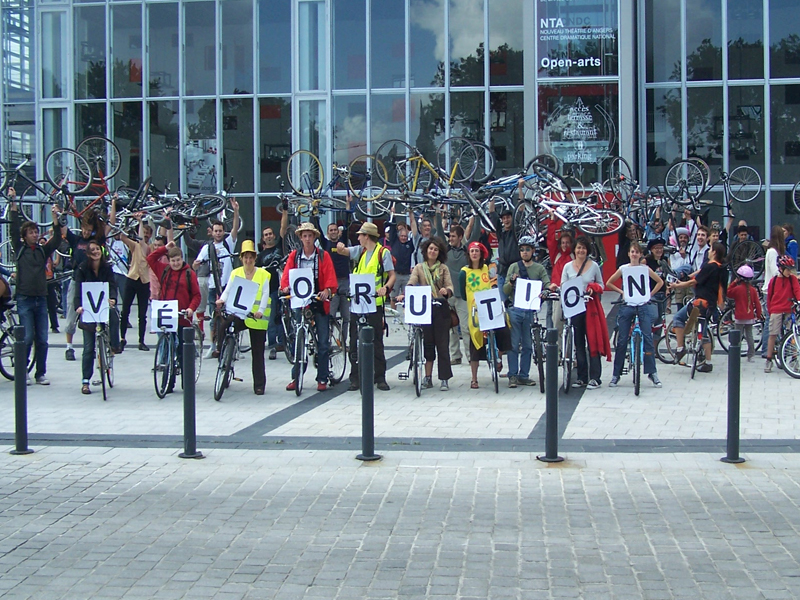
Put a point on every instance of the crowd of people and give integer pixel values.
(455, 262)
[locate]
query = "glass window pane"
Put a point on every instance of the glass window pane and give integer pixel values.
(237, 144)
(237, 47)
(274, 38)
(663, 133)
(466, 42)
(163, 53)
(200, 62)
(54, 129)
(128, 125)
(506, 120)
(349, 44)
(785, 135)
(90, 119)
(577, 38)
(313, 42)
(580, 124)
(164, 165)
(90, 52)
(388, 44)
(427, 123)
(200, 154)
(19, 136)
(54, 59)
(426, 45)
(313, 129)
(746, 127)
(745, 39)
(274, 125)
(663, 40)
(467, 115)
(505, 43)
(704, 40)
(784, 23)
(705, 123)
(126, 47)
(349, 128)
(18, 52)
(388, 114)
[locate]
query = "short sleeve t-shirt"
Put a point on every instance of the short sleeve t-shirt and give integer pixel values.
(225, 255)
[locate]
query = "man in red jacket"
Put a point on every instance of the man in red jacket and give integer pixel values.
(325, 285)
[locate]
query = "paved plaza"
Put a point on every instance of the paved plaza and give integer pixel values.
(458, 508)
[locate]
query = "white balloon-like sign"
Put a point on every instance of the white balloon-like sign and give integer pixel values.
(301, 286)
(572, 297)
(491, 313)
(163, 316)
(362, 294)
(94, 300)
(418, 310)
(527, 294)
(636, 285)
(242, 297)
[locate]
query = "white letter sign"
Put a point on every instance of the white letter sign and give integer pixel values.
(301, 286)
(163, 316)
(527, 294)
(94, 299)
(418, 309)
(362, 294)
(572, 297)
(242, 297)
(491, 314)
(636, 285)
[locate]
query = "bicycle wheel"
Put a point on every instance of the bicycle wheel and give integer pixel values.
(492, 358)
(65, 168)
(684, 182)
(288, 333)
(566, 362)
(538, 356)
(109, 371)
(417, 361)
(696, 349)
(458, 158)
(300, 361)
(199, 338)
(163, 364)
(790, 356)
(215, 269)
(374, 209)
(619, 177)
(208, 205)
(745, 183)
(526, 220)
(486, 163)
(225, 367)
(637, 363)
(395, 155)
(102, 155)
(7, 355)
(305, 174)
(364, 181)
(796, 196)
(704, 170)
(101, 363)
(3, 176)
(665, 347)
(337, 361)
(546, 160)
(749, 253)
(599, 221)
(37, 201)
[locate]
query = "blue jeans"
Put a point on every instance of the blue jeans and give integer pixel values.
(90, 341)
(519, 363)
(624, 321)
(322, 322)
(501, 281)
(32, 312)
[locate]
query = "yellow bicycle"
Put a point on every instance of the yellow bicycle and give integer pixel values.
(457, 160)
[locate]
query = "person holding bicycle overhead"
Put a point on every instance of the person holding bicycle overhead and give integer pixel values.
(436, 336)
(376, 260)
(708, 292)
(308, 256)
(95, 269)
(178, 282)
(259, 324)
(627, 313)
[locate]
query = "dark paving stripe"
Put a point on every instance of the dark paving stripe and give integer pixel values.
(567, 405)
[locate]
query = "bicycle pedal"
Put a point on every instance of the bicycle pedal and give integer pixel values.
(96, 382)
(402, 376)
(238, 379)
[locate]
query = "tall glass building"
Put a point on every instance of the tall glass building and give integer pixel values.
(197, 92)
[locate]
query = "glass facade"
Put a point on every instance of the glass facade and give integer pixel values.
(197, 93)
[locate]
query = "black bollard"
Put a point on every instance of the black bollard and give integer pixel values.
(734, 380)
(366, 373)
(189, 420)
(551, 402)
(20, 393)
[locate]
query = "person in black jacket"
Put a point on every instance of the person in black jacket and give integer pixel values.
(95, 269)
(31, 291)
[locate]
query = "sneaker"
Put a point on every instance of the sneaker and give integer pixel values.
(706, 367)
(69, 354)
(321, 386)
(291, 387)
(273, 354)
(751, 359)
(593, 384)
(42, 380)
(383, 386)
(143, 347)
(455, 361)
(614, 381)
(512, 381)
(353, 387)
(654, 378)
(679, 354)
(579, 384)
(427, 383)
(443, 387)
(525, 381)
(209, 352)
(768, 367)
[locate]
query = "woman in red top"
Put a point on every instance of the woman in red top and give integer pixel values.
(178, 281)
(782, 289)
(747, 309)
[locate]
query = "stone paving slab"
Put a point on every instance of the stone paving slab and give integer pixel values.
(113, 523)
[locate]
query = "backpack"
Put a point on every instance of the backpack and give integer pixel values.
(163, 278)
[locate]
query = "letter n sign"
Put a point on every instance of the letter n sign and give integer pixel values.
(418, 305)
(636, 285)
